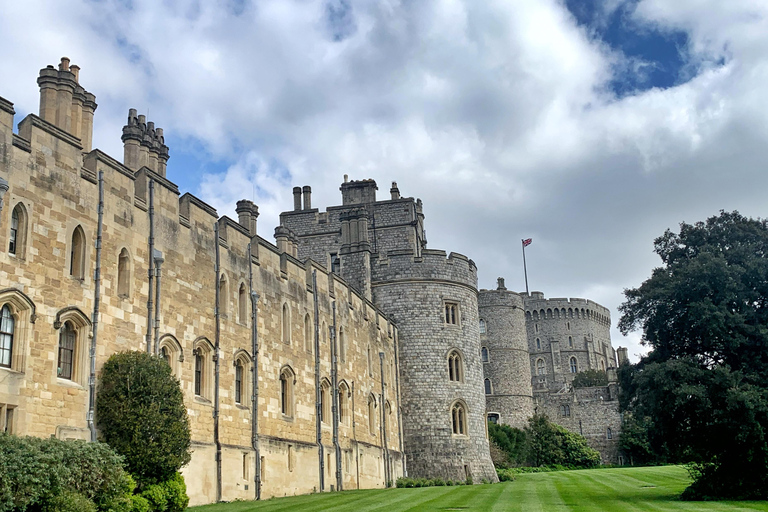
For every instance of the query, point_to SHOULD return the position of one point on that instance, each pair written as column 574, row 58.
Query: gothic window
column 493, row 418
column 482, row 326
column 538, row 344
column 242, row 305
column 325, row 402
column 488, row 389
column 372, row 414
column 308, row 333
column 223, row 295
column 123, row 273
column 342, row 345
column 344, row 404
column 565, row 411
column 335, row 263
column 459, row 419
column 164, row 354
column 16, row 239
column 203, row 376
column 238, row 382
column 67, row 343
column 287, row 378
column 455, row 370
column 199, row 372
column 484, row 355
column 370, row 363
column 574, row 366
column 77, row 254
column 6, row 336
column 170, row 352
column 540, row 368
column 602, row 365
column 451, row 313
column 286, row 324
column 609, row 433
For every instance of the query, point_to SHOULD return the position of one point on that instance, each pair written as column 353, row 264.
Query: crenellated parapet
column 428, row 265
column 536, row 306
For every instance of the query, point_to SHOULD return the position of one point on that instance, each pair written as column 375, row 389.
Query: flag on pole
column 527, row 242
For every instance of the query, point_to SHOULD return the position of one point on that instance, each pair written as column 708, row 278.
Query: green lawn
column 632, row 489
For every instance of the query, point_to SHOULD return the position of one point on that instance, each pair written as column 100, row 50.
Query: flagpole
column 525, row 269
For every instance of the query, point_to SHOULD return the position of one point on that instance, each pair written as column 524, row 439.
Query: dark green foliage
column 549, row 444
column 590, row 378
column 634, row 443
column 702, row 390
column 140, row 412
column 168, row 496
column 427, row 482
column 510, row 441
column 506, row 474
column 43, row 474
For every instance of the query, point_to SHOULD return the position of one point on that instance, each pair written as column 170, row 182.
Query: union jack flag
column 527, row 242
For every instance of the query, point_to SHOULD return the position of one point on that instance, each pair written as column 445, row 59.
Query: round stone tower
column 433, row 300
column 505, row 358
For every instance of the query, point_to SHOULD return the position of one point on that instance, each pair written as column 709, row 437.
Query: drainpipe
column 255, row 376
column 397, row 397
column 384, row 423
column 150, row 254
column 354, row 437
column 157, row 256
column 95, row 317
column 335, row 386
column 216, row 366
column 318, row 431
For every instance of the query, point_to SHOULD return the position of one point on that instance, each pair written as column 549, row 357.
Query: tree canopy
column 701, row 393
column 140, row 413
column 590, row 378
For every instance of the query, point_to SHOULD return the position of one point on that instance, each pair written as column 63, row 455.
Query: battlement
column 536, row 306
column 500, row 298
column 429, row 265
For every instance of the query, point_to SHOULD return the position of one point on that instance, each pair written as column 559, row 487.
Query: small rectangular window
column 6, row 418
column 262, row 469
column 245, row 465
column 290, row 457
column 451, row 313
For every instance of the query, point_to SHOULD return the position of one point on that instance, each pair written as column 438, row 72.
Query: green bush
column 426, row 482
column 506, row 475
column 590, row 378
column 140, row 412
column 549, row 444
column 168, row 496
column 42, row 474
column 139, row 504
column 512, row 443
column 69, row 501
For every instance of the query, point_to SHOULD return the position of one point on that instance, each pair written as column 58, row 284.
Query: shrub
column 506, row 475
column 590, row 378
column 141, row 414
column 168, row 496
column 550, row 444
column 69, row 501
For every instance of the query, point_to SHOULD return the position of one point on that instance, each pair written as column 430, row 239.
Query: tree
column 140, row 413
column 549, row 444
column 701, row 392
column 509, row 445
column 590, row 378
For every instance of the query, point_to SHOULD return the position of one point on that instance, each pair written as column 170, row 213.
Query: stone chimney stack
column 65, row 104
column 144, row 145
column 500, row 284
column 296, row 198
column 307, row 197
column 131, row 141
column 394, row 191
column 247, row 213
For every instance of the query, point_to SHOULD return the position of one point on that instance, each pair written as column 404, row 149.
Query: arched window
column 565, row 411
column 459, row 419
column 287, row 378
column 455, row 370
column 484, row 355
column 164, row 355
column 344, row 416
column 370, row 362
column 325, row 402
column 540, row 368
column 223, row 295
column 342, row 345
column 538, row 344
column 372, row 414
column 203, row 378
column 488, row 389
column 199, row 372
column 67, row 343
column 602, row 365
column 7, row 323
column 123, row 273
column 17, row 236
column 77, row 254
column 574, row 366
column 286, row 324
column 170, row 351
column 242, row 304
column 609, row 433
column 308, row 333
column 238, row 382
column 482, row 326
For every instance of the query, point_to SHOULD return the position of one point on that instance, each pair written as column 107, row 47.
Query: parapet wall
column 540, row 308
column 430, row 265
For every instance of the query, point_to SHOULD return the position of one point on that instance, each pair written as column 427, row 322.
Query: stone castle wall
column 54, row 181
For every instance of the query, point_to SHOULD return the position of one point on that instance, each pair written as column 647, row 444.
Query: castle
column 343, row 356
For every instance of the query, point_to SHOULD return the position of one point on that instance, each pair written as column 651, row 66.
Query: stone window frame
column 325, row 402
column 308, row 341
column 487, row 386
column 455, row 361
column 608, row 433
column 483, row 326
column 541, row 367
column 124, row 277
column 538, row 343
column 8, row 418
column 485, row 355
column 17, row 238
column 77, row 254
column 7, row 332
column 285, row 324
column 344, row 404
column 223, row 295
column 451, row 313
column 570, row 341
column 242, row 304
column 565, row 410
column 81, row 325
column 173, row 351
column 244, row 359
column 459, row 419
column 493, row 414
column 286, row 393
column 372, row 405
column 205, row 351
column 23, row 311
column 573, row 365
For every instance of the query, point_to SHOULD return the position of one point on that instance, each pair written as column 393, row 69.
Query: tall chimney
column 66, row 88
column 86, row 123
column 247, row 212
column 394, row 191
column 307, row 197
column 131, row 141
column 48, row 82
column 296, row 198
column 162, row 152
column 144, row 143
column 152, row 146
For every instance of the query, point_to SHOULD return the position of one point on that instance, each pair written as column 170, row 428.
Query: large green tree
column 701, row 392
column 140, row 413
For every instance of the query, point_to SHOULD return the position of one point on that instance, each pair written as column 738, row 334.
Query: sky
column 590, row 126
